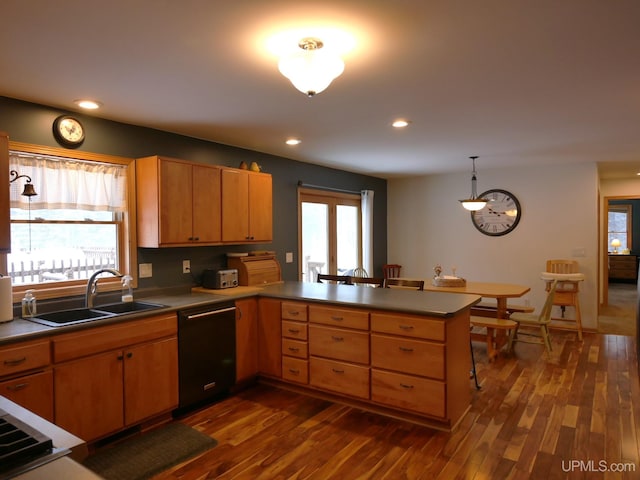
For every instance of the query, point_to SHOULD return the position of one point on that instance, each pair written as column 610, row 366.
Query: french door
column 329, row 233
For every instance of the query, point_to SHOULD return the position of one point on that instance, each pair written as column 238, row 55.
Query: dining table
column 501, row 292
column 496, row 337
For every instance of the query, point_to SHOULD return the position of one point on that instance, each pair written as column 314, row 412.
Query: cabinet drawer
column 102, row 339
column 417, row 357
column 295, row 370
column 339, row 377
column 339, row 344
column 294, row 311
column 407, row 392
column 296, row 330
column 33, row 392
column 339, row 317
column 408, row 325
column 24, row 356
column 295, row 348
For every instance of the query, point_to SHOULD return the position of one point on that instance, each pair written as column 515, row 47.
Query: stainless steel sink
column 81, row 315
column 127, row 307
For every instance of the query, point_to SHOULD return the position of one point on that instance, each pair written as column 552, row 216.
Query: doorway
column 617, row 313
column 330, row 233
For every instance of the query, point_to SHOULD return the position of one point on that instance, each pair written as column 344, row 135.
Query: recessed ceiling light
column 88, row 104
column 400, row 123
column 293, row 141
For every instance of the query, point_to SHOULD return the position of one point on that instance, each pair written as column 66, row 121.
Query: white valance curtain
column 68, row 184
column 366, row 203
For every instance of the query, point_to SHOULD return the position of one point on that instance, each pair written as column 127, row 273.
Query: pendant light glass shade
column 311, row 69
column 474, row 203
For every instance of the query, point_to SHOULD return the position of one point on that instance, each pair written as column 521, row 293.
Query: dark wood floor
column 571, row 415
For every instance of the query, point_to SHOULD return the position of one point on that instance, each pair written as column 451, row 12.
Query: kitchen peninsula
column 392, row 351
column 395, row 352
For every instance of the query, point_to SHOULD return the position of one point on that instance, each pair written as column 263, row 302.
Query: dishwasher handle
column 211, row 312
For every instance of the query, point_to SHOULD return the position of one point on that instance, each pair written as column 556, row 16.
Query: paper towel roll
column 6, row 300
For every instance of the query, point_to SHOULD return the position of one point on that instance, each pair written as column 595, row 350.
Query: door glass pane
column 315, row 240
column 347, row 239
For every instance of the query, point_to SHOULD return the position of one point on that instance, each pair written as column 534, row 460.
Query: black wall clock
column 68, row 131
column 500, row 215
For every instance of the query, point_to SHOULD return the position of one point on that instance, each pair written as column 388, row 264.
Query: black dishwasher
column 206, row 353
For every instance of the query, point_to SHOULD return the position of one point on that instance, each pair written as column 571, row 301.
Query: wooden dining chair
column 367, row 281
column 326, row 278
column 540, row 321
column 391, row 270
column 404, row 283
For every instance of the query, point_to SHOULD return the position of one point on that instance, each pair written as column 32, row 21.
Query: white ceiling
column 514, row 82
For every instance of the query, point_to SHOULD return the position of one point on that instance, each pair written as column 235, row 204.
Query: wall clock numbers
column 500, row 215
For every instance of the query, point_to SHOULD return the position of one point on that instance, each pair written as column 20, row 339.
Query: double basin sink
column 80, row 315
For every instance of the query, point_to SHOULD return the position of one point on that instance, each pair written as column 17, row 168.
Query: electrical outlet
column 186, row 266
column 145, row 270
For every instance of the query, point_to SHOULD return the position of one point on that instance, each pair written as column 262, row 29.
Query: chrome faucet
column 92, row 285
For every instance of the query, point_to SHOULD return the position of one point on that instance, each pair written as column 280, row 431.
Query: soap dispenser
column 127, row 290
column 29, row 305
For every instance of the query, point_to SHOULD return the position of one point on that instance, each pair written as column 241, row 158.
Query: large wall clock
column 500, row 215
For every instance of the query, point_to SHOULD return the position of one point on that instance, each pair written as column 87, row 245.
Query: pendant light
column 474, row 203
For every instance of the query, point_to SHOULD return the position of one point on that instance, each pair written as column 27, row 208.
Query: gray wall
column 32, row 123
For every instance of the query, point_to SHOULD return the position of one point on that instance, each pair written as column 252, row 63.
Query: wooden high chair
column 566, row 293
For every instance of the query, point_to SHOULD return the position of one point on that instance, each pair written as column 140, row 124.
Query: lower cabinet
column 34, row 392
column 269, row 337
column 415, row 366
column 26, row 377
column 246, row 339
column 341, row 377
column 295, row 346
column 113, row 377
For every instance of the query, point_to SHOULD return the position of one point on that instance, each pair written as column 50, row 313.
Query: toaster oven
column 220, row 278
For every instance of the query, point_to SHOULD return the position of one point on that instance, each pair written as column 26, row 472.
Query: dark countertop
column 422, row 303
column 393, row 299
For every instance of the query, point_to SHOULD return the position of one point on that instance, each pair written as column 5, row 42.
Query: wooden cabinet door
column 269, row 337
column 235, row 206
column 89, row 395
column 34, row 392
column 175, row 202
column 150, row 379
column 260, row 208
column 207, row 209
column 5, row 221
column 246, row 339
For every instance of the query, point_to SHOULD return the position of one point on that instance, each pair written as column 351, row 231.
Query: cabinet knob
column 129, row 354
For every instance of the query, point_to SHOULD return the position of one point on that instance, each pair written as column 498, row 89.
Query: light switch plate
column 289, row 257
column 145, row 270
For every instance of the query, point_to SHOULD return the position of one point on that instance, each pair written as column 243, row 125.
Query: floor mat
column 146, row 455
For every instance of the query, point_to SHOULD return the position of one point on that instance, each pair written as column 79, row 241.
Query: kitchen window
column 79, row 221
column 619, row 228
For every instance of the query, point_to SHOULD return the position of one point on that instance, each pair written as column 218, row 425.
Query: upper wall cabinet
column 178, row 203
column 5, row 222
column 246, row 207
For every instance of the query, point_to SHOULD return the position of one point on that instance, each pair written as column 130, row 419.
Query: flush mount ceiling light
column 88, row 104
column 474, row 203
column 400, row 123
column 293, row 141
column 311, row 69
